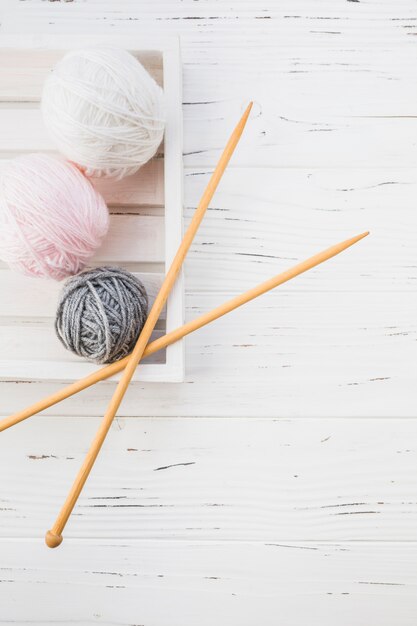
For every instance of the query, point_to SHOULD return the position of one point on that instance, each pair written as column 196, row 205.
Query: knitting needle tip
column 349, row 242
column 241, row 124
column 246, row 113
column 343, row 245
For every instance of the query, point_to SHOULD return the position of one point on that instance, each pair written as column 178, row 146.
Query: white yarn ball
column 104, row 111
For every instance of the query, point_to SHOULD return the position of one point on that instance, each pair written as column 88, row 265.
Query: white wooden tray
column 146, row 212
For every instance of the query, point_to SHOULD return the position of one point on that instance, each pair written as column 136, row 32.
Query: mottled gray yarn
column 101, row 313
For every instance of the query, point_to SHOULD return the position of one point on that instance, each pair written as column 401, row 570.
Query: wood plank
column 121, row 582
column 34, row 297
column 197, row 18
column 133, row 239
column 342, row 65
column 205, row 479
column 345, row 142
column 264, row 220
column 68, row 371
column 23, row 72
column 23, row 130
column 145, row 188
column 36, row 342
column 312, row 87
column 288, row 354
column 269, row 141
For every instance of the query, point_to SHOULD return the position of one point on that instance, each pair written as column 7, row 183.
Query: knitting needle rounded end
column 52, row 540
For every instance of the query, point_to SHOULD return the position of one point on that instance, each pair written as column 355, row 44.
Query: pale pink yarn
column 51, row 217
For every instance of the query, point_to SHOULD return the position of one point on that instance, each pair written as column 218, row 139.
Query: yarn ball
column 101, row 313
column 51, row 217
column 104, row 111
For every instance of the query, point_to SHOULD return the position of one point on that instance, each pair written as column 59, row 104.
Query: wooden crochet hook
column 54, row 536
column 179, row 333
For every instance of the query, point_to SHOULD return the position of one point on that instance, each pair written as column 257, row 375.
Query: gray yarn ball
column 101, row 313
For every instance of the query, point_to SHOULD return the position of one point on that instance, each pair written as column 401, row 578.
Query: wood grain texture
column 381, row 141
column 43, row 294
column 265, row 219
column 287, row 354
column 133, row 239
column 145, row 189
column 125, row 582
column 19, row 85
column 330, row 151
column 205, row 479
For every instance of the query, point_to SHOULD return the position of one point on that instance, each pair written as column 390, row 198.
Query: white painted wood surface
column 215, row 479
column 277, row 483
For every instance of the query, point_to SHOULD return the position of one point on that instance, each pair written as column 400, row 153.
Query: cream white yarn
column 104, row 111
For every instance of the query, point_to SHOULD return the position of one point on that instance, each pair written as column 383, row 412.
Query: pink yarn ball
column 51, row 217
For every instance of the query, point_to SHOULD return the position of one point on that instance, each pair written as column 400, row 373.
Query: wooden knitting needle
column 166, row 340
column 54, row 536
column 218, row 312
column 177, row 334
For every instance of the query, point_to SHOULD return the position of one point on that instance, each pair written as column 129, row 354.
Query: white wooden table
column 278, row 484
